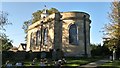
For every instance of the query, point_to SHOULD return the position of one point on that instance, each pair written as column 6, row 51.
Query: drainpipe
column 85, row 45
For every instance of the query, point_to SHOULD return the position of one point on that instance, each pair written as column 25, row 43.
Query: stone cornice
column 73, row 18
column 72, row 15
column 45, row 20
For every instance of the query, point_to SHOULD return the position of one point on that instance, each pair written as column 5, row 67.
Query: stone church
column 66, row 31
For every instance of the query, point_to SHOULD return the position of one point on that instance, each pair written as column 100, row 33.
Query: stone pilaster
column 58, row 36
column 57, row 32
column 28, row 41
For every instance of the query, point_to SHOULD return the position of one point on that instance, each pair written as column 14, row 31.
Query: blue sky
column 22, row 11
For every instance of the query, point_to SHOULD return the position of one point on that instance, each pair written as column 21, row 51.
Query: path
column 95, row 64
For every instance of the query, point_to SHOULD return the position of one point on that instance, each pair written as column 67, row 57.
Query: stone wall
column 75, row 18
column 21, row 56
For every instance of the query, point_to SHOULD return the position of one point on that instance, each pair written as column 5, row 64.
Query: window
column 31, row 40
column 45, row 36
column 73, row 35
column 38, row 38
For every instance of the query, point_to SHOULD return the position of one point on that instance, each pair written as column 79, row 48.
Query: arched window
column 73, row 35
column 38, row 38
column 45, row 36
column 31, row 40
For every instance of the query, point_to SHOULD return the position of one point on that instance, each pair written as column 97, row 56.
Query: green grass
column 79, row 61
column 115, row 63
column 75, row 62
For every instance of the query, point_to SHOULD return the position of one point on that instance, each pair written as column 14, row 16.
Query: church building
column 66, row 31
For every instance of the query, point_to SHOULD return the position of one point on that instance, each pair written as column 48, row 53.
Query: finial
column 45, row 9
column 45, row 6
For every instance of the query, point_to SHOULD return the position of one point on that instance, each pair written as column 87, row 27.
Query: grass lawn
column 79, row 61
column 115, row 63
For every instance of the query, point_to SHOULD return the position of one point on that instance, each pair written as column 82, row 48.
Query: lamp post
column 114, row 55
